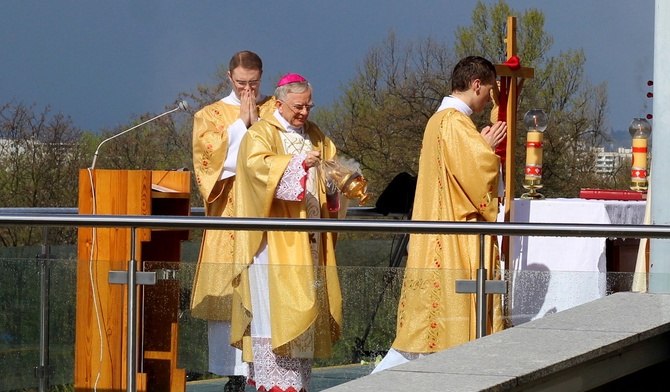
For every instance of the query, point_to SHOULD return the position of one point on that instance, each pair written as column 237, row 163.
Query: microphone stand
column 183, row 105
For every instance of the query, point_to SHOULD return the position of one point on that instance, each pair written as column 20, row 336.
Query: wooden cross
column 516, row 79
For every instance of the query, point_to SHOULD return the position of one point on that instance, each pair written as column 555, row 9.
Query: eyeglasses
column 244, row 83
column 299, row 108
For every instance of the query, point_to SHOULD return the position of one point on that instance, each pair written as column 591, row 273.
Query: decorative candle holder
column 350, row 182
column 639, row 129
column 536, row 122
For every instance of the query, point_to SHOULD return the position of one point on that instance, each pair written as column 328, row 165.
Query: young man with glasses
column 217, row 131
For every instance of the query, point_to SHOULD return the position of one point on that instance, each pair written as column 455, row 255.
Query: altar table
column 551, row 274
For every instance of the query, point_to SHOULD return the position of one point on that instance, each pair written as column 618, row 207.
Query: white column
column 659, row 271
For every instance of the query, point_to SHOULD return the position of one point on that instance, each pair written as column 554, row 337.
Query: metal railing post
column 481, row 287
column 132, row 278
column 44, row 370
column 481, row 293
column 131, row 360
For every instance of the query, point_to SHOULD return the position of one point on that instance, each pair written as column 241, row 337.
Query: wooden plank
column 162, row 355
column 180, row 181
column 521, row 73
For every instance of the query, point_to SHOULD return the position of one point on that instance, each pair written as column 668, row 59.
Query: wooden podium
column 101, row 312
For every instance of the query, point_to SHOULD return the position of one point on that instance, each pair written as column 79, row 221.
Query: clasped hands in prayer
column 248, row 108
column 495, row 133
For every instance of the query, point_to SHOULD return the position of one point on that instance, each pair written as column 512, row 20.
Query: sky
column 104, row 62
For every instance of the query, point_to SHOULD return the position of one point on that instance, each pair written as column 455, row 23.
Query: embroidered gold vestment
column 212, row 287
column 301, row 294
column 457, row 181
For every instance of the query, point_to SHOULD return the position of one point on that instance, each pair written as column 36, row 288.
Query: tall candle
column 639, row 164
column 534, row 141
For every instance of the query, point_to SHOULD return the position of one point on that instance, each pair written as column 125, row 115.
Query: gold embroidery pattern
column 429, row 286
column 211, row 140
column 487, row 200
column 435, row 295
column 229, row 212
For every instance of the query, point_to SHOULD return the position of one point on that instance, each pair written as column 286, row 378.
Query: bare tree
column 40, row 154
column 380, row 118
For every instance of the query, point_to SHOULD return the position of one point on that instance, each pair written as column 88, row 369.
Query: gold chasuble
column 212, row 287
column 457, row 181
column 302, row 296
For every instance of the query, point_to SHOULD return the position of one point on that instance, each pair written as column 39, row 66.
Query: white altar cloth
column 551, row 274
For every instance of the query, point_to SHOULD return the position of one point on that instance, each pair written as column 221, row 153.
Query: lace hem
column 275, row 373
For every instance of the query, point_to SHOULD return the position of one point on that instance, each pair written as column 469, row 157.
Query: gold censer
column 350, row 182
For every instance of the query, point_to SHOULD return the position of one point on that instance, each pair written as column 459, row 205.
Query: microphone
column 183, row 105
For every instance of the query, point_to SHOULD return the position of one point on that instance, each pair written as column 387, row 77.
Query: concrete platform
column 622, row 339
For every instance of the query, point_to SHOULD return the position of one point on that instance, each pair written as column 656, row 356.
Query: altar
column 551, row 274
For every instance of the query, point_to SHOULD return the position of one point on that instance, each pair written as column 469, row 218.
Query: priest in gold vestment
column 287, row 301
column 458, row 180
column 217, row 131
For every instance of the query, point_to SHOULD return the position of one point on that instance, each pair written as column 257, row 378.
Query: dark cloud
column 102, row 62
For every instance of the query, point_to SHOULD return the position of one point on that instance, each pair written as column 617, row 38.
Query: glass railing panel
column 62, row 318
column 19, row 339
column 535, row 294
column 370, row 277
column 20, row 325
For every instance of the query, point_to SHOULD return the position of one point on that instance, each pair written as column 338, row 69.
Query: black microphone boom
column 183, row 105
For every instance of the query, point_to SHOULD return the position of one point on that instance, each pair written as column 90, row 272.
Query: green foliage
column 380, row 118
column 487, row 35
column 159, row 145
column 577, row 110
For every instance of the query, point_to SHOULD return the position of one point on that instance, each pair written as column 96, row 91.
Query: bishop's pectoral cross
column 512, row 75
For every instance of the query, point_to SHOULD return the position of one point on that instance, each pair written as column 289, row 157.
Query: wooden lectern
column 101, row 315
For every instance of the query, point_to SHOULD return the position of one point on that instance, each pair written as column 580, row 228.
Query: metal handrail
column 340, row 225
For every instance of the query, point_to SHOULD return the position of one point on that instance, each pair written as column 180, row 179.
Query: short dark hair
column 469, row 69
column 247, row 60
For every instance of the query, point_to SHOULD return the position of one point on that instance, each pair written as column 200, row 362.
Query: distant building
column 608, row 162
